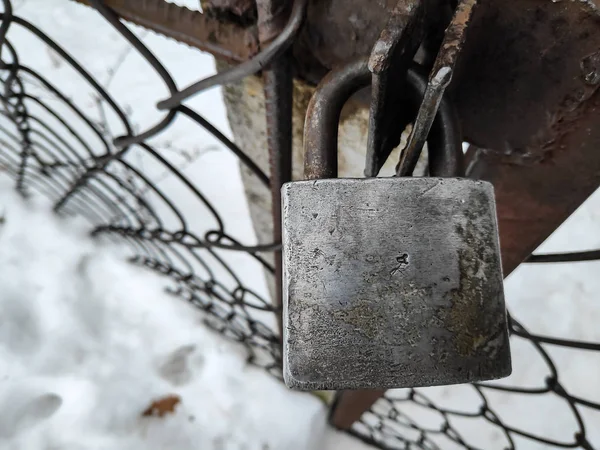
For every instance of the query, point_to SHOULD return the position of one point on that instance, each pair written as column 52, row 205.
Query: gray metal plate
column 390, row 283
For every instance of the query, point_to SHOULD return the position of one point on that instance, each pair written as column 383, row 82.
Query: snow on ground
column 87, row 342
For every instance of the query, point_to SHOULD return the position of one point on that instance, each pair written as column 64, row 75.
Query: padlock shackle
column 325, row 108
column 323, row 116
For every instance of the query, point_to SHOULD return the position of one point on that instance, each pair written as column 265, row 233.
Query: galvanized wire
column 95, row 178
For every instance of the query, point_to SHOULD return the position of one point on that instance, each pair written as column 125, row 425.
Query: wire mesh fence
column 53, row 145
column 89, row 158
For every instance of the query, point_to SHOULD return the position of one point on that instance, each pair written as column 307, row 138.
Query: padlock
column 389, row 282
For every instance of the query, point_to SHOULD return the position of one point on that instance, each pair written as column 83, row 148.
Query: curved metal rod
column 581, row 345
column 113, row 19
column 590, row 255
column 72, row 62
column 323, row 114
column 7, row 13
column 248, row 162
column 129, row 140
column 444, row 141
column 280, row 44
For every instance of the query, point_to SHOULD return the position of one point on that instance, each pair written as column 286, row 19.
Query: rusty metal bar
column 206, row 31
column 349, row 406
column 390, row 59
column 237, row 7
column 530, row 101
column 534, row 200
column 278, row 89
column 439, row 79
column 267, row 55
column 278, row 104
column 272, row 16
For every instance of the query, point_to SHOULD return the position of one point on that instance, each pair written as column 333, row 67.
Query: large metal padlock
column 389, row 282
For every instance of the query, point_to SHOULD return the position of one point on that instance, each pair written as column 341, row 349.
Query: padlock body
column 391, row 283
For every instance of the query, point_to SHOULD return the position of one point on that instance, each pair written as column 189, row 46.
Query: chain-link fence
column 85, row 153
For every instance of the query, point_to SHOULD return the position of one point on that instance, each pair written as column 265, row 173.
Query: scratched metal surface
column 392, row 282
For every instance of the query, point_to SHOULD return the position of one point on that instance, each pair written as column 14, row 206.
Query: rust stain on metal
column 454, row 38
column 574, row 107
column 210, row 31
column 463, row 14
column 560, row 123
column 389, row 62
column 278, row 91
column 362, row 316
column 401, row 28
column 272, row 18
column 237, row 7
column 469, row 321
column 464, row 315
column 549, row 190
column 525, row 63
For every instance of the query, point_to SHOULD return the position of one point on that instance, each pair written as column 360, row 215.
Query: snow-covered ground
column 87, row 342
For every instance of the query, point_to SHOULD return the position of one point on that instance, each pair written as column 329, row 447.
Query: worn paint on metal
column 474, row 328
column 392, row 282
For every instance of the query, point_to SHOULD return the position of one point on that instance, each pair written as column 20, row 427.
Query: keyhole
column 402, row 261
